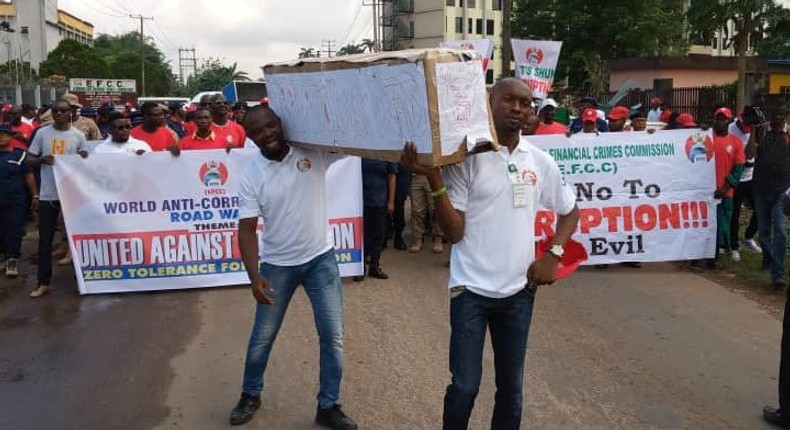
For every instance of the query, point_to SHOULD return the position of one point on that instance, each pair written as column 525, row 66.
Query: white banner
column 157, row 222
column 536, row 62
column 642, row 197
column 485, row 47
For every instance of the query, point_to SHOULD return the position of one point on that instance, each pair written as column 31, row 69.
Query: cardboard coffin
column 371, row 104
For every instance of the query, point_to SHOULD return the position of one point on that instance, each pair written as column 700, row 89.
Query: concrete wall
column 681, row 77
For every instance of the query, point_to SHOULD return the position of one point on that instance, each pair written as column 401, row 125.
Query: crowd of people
column 493, row 277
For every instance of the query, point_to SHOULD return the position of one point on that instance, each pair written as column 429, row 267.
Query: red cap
column 572, row 258
column 265, row 101
column 7, row 107
column 665, row 114
column 723, row 111
column 686, row 120
column 655, row 101
column 618, row 112
column 192, row 108
column 589, row 114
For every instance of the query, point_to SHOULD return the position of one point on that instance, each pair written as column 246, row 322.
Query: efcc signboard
column 92, row 91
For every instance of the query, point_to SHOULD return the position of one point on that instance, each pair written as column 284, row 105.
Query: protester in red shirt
column 21, row 130
column 153, row 130
column 547, row 124
column 226, row 131
column 204, row 137
column 617, row 117
column 730, row 158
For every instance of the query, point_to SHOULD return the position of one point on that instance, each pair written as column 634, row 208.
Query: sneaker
column 11, row 268
column 245, row 409
column 438, row 246
column 735, row 256
column 65, row 261
column 751, row 245
column 334, row 418
column 416, row 247
column 40, row 291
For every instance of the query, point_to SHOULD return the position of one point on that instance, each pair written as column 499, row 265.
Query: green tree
column 776, row 42
column 595, row 32
column 122, row 55
column 214, row 74
column 351, row 48
column 749, row 19
column 307, row 52
column 74, row 59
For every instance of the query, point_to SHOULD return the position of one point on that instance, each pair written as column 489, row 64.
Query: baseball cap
column 618, row 112
column 686, row 120
column 638, row 113
column 547, row 102
column 88, row 111
column 723, row 111
column 655, row 101
column 589, row 114
column 176, row 105
column 7, row 107
column 71, row 99
column 6, row 128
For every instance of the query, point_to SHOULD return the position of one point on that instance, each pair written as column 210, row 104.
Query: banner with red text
column 642, row 197
column 485, row 47
column 536, row 61
column 158, row 222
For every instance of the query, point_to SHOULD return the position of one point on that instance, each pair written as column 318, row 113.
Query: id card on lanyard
column 518, row 183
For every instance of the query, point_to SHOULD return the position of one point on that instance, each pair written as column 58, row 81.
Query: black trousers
column 743, row 193
column 12, row 226
column 375, row 228
column 48, row 212
column 784, row 363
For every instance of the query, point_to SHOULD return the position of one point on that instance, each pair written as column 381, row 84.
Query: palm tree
column 306, row 52
column 237, row 75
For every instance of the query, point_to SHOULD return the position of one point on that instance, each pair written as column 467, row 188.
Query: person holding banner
column 153, row 130
column 487, row 207
column 585, row 103
column 204, row 137
column 286, row 187
column 16, row 180
column 49, row 142
column 120, row 141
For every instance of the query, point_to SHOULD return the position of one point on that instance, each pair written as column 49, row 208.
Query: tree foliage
column 74, row 59
column 112, row 56
column 594, row 32
column 776, row 42
column 749, row 19
column 213, row 74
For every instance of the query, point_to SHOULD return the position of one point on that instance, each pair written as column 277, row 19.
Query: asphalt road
column 651, row 348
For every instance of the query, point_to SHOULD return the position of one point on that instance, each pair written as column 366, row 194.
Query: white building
column 38, row 26
column 407, row 24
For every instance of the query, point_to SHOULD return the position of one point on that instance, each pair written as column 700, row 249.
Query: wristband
column 440, row 192
column 35, row 197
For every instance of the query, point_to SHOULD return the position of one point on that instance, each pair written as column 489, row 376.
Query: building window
column 479, row 26
column 489, row 77
column 496, row 4
column 490, row 27
column 715, row 43
column 451, row 3
column 470, row 26
column 470, row 4
column 784, row 90
column 459, row 25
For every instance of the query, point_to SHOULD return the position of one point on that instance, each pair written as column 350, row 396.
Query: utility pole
column 142, row 44
column 329, row 46
column 186, row 63
column 378, row 8
column 507, row 50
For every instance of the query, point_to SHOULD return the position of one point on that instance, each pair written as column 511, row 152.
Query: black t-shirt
column 12, row 175
column 374, row 181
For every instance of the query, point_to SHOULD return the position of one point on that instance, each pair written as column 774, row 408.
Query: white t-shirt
column 654, row 115
column 290, row 196
column 748, row 172
column 499, row 239
column 131, row 146
column 51, row 141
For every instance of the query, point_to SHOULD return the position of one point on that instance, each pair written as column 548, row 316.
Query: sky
column 248, row 32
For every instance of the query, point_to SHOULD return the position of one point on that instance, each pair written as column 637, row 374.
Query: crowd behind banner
column 742, row 179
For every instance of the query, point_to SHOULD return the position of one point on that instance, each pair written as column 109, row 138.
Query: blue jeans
column 321, row 280
column 772, row 225
column 508, row 320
